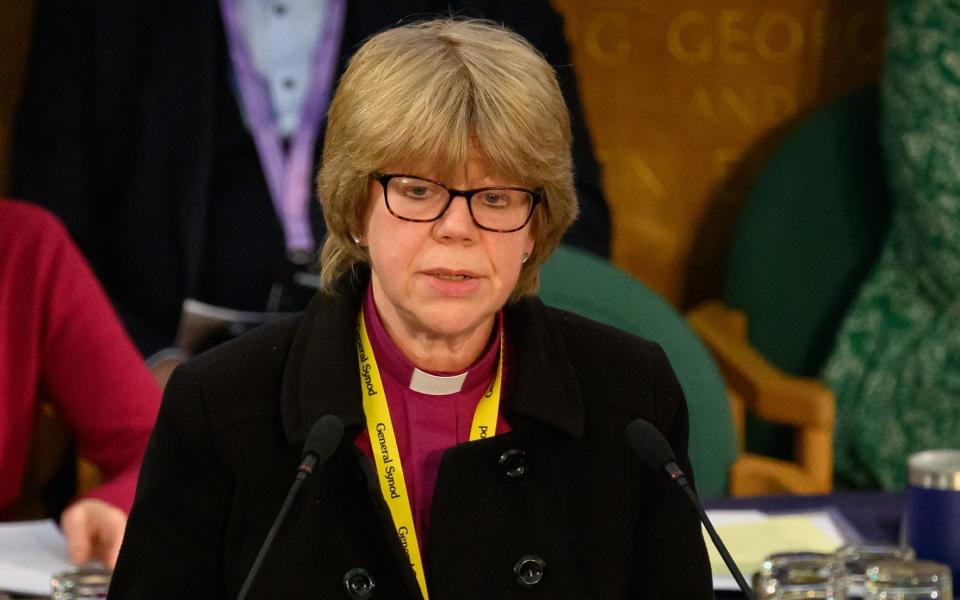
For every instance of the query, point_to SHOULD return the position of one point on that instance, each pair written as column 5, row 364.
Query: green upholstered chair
column 582, row 283
column 808, row 233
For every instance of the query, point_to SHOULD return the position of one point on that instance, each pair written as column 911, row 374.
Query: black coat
column 229, row 436
column 127, row 123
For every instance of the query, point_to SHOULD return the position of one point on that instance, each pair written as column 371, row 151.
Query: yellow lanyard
column 383, row 442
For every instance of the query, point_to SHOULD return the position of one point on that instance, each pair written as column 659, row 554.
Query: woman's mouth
column 453, row 283
column 447, row 277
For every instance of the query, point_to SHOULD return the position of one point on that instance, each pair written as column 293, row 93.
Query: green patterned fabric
column 895, row 367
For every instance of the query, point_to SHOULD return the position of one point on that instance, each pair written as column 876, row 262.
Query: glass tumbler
column 796, row 575
column 855, row 559
column 909, row 580
column 84, row 583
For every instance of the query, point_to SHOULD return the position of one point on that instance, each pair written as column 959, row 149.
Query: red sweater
column 60, row 341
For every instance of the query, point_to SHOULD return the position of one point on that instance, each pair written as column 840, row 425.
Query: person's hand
column 162, row 363
column 94, row 530
column 162, row 371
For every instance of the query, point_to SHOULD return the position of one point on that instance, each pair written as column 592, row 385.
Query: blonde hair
column 436, row 90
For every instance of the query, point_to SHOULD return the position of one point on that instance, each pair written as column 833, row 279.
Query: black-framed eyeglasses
column 500, row 209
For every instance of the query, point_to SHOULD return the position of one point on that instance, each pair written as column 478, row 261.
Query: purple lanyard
column 289, row 175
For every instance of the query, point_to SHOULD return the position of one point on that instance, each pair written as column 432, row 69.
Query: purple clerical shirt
column 426, row 425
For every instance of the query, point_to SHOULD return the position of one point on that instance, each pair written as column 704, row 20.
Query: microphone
column 654, row 452
column 323, row 439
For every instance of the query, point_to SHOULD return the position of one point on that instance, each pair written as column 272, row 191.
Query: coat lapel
column 545, row 386
column 322, row 376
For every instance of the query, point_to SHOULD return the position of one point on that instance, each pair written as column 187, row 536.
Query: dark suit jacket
column 116, row 135
column 229, row 436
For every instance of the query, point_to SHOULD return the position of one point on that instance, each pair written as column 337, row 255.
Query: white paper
column 30, row 553
column 820, row 519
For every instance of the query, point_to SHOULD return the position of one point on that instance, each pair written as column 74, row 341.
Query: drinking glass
column 84, row 583
column 796, row 575
column 909, row 580
column 855, row 559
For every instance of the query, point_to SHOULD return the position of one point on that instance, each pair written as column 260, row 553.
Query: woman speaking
column 483, row 452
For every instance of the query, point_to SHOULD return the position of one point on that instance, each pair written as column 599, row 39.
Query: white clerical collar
column 436, row 385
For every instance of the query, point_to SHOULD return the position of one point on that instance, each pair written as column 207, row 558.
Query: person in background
column 483, row 452
column 895, row 364
column 177, row 140
column 61, row 343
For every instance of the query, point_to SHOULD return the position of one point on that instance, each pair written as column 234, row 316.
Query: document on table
column 751, row 535
column 30, row 553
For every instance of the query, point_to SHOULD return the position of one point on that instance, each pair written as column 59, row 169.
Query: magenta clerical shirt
column 427, row 424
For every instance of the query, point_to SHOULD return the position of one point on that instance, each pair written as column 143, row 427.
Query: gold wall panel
column 685, row 100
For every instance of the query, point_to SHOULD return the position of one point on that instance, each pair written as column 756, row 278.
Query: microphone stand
column 677, row 475
column 322, row 440
column 302, row 472
column 654, row 452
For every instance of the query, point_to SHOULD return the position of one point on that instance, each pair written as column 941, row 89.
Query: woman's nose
column 456, row 221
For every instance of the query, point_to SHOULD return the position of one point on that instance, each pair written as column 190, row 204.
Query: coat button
column 513, row 464
column 359, row 584
column 529, row 570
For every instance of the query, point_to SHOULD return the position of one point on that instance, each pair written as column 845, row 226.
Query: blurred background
column 685, row 101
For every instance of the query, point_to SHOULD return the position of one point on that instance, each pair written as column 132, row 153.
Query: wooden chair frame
column 754, row 385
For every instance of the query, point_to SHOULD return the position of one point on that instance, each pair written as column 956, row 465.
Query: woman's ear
column 528, row 247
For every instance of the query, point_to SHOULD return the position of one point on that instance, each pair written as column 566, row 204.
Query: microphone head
column 649, row 445
column 324, row 437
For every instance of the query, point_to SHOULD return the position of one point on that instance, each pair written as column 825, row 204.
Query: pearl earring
column 356, row 238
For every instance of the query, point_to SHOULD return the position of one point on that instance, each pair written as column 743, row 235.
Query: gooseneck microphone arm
column 323, row 439
column 721, row 547
column 654, row 451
